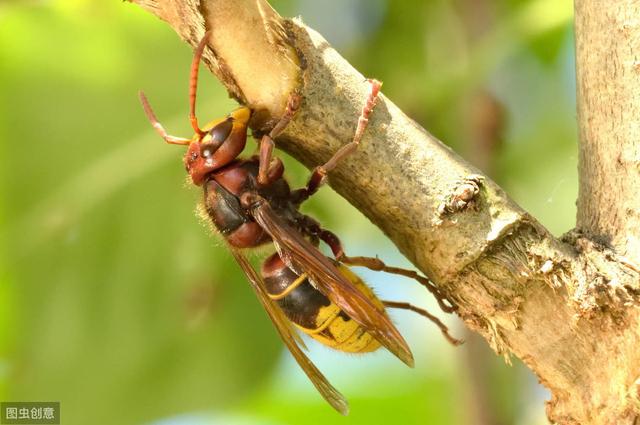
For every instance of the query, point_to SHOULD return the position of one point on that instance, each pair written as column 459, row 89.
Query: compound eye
column 207, row 149
column 221, row 132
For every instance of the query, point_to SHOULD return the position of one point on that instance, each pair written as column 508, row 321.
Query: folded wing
column 289, row 337
column 294, row 248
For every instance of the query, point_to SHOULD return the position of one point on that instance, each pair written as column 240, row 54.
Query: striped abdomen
column 313, row 313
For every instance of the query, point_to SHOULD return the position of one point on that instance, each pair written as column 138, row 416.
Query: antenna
column 156, row 124
column 193, row 82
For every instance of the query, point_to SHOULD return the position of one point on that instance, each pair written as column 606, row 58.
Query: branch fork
column 568, row 308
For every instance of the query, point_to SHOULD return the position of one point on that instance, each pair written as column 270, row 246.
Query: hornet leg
column 319, row 174
column 334, row 243
column 271, row 169
column 425, row 313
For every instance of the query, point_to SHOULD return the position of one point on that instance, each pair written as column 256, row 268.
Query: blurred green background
column 116, row 301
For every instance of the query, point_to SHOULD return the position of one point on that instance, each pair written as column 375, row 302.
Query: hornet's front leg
column 270, row 168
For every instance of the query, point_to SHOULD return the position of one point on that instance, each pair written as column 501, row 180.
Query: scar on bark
column 462, row 196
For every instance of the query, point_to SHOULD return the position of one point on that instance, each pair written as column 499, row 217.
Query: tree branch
column 566, row 308
column 608, row 68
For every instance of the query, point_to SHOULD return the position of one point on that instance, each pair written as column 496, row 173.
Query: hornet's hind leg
column 332, row 240
column 425, row 313
column 378, row 265
column 315, row 231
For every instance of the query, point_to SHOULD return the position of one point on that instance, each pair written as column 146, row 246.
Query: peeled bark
column 567, row 308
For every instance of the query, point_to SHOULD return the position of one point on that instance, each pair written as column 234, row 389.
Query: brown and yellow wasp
column 251, row 204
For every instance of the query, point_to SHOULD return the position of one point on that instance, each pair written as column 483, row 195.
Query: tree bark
column 568, row 308
column 608, row 76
